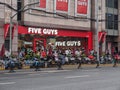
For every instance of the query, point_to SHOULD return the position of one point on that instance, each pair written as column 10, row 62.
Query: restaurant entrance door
column 39, row 44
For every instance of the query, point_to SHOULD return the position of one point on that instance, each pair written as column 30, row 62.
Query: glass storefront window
column 38, row 42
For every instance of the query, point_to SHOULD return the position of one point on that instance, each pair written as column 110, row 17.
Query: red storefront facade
column 61, row 38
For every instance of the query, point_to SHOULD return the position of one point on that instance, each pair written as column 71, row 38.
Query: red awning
column 102, row 36
column 64, row 33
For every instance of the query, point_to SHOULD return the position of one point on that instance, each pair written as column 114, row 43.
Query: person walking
column 78, row 58
column 115, row 59
column 37, row 65
column 11, row 65
column 58, row 60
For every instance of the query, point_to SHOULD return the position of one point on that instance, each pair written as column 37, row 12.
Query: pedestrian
column 115, row 59
column 37, row 65
column 58, row 60
column 97, row 61
column 78, row 57
column 11, row 65
column 79, row 62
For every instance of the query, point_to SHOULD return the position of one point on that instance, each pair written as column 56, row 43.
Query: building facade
column 63, row 24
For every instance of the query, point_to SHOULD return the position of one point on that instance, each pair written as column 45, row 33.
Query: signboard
column 62, row 5
column 67, row 43
column 44, row 31
column 82, row 7
column 57, row 32
column 42, row 3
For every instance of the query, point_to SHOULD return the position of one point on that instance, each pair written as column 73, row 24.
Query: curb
column 69, row 66
column 2, row 68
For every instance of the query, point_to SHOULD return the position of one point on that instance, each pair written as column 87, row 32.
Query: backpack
column 12, row 64
column 37, row 63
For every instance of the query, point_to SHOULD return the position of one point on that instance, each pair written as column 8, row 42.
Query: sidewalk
column 65, row 67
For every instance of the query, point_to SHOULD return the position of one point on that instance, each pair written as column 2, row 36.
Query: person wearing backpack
column 37, row 65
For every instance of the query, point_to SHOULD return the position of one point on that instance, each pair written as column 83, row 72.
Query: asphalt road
column 105, row 78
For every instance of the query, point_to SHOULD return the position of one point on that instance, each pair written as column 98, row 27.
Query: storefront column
column 1, row 37
column 90, row 42
column 104, row 45
column 15, row 41
column 119, row 44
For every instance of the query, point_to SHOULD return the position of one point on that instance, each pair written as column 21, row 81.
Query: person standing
column 78, row 58
column 58, row 60
column 115, row 59
column 43, row 55
column 11, row 65
column 37, row 65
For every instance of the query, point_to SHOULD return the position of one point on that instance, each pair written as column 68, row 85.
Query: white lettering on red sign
column 50, row 31
column 34, row 30
column 63, row 1
column 59, row 43
column 42, row 31
column 82, row 2
column 67, row 43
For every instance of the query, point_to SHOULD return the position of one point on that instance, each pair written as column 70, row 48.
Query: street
column 104, row 78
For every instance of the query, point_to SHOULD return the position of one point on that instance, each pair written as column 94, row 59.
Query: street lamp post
column 97, row 33
column 11, row 17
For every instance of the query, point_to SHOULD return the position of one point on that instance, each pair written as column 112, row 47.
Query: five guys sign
column 42, row 3
column 82, row 6
column 62, row 5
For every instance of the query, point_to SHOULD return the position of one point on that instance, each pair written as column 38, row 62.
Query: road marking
column 19, row 73
column 52, row 71
column 7, row 83
column 32, row 72
column 70, row 77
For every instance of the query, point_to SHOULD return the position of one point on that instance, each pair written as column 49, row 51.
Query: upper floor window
column 116, row 4
column 111, row 21
column 116, row 22
column 112, row 3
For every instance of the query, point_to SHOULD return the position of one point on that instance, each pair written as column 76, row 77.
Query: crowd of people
column 59, row 57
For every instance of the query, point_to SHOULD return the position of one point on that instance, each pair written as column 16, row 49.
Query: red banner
column 101, row 37
column 6, row 29
column 42, row 3
column 62, row 5
column 2, row 52
column 82, row 6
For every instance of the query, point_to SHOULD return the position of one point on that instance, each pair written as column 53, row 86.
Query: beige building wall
column 2, row 14
column 40, row 19
column 101, row 14
column 5, row 14
column 101, row 24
